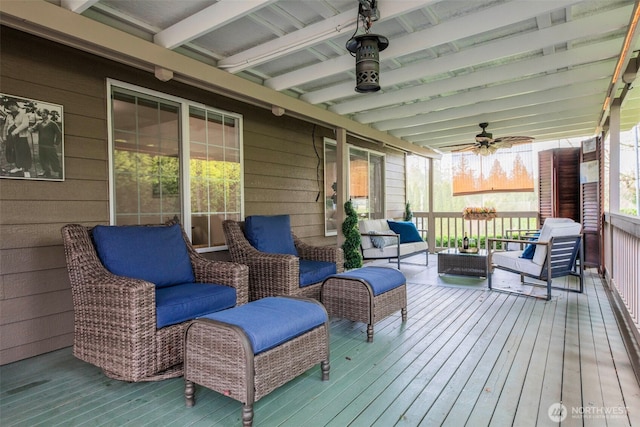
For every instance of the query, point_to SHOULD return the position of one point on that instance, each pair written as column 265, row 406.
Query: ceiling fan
column 486, row 144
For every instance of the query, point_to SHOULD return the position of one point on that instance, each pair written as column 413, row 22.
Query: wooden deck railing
column 621, row 260
column 446, row 229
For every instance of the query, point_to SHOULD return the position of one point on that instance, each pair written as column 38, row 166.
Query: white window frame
column 329, row 141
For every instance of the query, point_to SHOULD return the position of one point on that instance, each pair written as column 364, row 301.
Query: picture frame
column 31, row 139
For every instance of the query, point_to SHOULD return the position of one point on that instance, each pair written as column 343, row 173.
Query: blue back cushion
column 271, row 321
column 315, row 271
column 530, row 250
column 155, row 254
column 407, row 231
column 271, row 234
column 381, row 279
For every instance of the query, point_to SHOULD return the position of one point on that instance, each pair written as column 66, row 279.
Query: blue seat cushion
column 271, row 234
column 271, row 321
column 406, row 229
column 157, row 254
column 381, row 279
column 315, row 271
column 187, row 301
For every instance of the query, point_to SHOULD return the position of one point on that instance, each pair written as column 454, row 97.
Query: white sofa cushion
column 512, row 260
column 554, row 229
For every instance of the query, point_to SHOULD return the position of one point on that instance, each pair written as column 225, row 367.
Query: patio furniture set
column 148, row 306
column 556, row 250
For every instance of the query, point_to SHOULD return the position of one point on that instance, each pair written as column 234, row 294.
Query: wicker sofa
column 282, row 264
column 132, row 325
column 378, row 240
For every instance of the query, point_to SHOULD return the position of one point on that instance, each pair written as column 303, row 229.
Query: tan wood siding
column 283, row 173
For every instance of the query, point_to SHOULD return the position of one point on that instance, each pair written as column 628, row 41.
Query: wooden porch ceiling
column 466, row 356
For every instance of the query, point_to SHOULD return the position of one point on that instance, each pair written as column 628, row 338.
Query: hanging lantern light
column 367, row 48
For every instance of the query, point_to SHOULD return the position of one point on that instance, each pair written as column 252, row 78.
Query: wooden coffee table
column 452, row 261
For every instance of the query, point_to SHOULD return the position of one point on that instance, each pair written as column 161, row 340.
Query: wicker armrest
column 273, row 274
column 321, row 253
column 223, row 273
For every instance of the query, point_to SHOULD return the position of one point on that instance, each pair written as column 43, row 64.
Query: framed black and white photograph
column 31, row 139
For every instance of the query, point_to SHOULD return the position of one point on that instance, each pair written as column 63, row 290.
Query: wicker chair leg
column 247, row 415
column 189, row 393
column 370, row 332
column 404, row 314
column 324, row 365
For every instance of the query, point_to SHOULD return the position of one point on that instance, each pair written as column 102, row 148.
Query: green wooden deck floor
column 466, row 356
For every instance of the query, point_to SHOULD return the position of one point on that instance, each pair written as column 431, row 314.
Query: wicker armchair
column 115, row 317
column 273, row 274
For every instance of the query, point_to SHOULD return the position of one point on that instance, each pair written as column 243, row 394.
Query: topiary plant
column 351, row 245
column 408, row 215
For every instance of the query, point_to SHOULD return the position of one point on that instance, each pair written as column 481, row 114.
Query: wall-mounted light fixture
column 366, row 48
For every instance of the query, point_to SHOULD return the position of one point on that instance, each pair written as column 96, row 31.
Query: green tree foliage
column 351, row 245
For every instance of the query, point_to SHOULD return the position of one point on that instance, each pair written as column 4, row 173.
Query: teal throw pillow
column 407, row 231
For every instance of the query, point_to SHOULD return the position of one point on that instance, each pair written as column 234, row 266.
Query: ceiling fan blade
column 467, row 148
column 513, row 140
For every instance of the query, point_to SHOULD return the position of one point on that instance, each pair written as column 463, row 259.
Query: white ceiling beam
column 77, row 6
column 507, row 90
column 401, row 128
column 205, row 21
column 455, row 29
column 608, row 21
column 492, row 76
column 508, row 125
column 501, row 48
column 311, row 35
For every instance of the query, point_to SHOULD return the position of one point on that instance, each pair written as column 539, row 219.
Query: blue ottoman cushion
column 381, row 279
column 271, row 321
column 315, row 271
column 187, row 301
column 157, row 254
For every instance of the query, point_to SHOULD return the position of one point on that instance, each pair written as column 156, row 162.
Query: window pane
column 216, row 189
column 145, row 158
column 359, row 181
column 376, row 195
column 330, row 188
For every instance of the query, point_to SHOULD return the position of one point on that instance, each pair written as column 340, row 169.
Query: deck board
column 465, row 356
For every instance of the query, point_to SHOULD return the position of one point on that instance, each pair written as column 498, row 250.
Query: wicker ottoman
column 366, row 295
column 220, row 355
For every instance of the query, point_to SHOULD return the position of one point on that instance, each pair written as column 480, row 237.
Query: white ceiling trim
column 77, row 6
